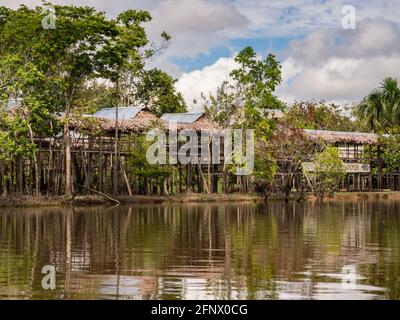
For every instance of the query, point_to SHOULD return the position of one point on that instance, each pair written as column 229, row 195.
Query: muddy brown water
column 336, row 250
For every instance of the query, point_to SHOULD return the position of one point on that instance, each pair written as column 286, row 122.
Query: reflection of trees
column 228, row 251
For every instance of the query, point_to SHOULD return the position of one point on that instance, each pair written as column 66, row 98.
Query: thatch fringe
column 333, row 137
column 142, row 122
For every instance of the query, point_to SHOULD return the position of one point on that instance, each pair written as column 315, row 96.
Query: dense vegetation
column 64, row 70
column 90, row 61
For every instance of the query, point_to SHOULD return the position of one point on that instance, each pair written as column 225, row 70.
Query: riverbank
column 40, row 201
column 183, row 198
column 31, row 201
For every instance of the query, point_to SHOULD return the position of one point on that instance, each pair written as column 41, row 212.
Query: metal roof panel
column 124, row 113
column 182, row 117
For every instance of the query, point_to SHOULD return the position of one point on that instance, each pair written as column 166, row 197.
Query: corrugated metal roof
column 124, row 113
column 182, row 117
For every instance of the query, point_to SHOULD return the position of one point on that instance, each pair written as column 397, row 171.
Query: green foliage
column 92, row 97
column 265, row 166
column 241, row 102
column 329, row 171
column 156, row 89
column 14, row 141
column 380, row 110
column 391, row 150
column 50, row 66
column 318, row 116
column 138, row 164
column 58, row 70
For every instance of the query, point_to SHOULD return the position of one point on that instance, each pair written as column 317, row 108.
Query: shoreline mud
column 88, row 200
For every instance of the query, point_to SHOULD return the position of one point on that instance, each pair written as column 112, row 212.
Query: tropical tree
column 391, row 150
column 156, row 90
column 380, row 110
column 59, row 70
column 145, row 172
column 240, row 103
column 329, row 171
column 291, row 148
column 318, row 116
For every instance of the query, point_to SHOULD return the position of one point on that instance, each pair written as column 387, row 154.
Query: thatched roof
column 343, row 137
column 142, row 121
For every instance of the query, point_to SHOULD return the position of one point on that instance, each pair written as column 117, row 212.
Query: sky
column 321, row 57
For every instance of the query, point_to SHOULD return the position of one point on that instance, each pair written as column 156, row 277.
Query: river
column 334, row 250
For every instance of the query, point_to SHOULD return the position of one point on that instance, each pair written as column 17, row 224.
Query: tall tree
column 67, row 55
column 52, row 68
column 241, row 102
column 156, row 90
column 380, row 110
column 318, row 116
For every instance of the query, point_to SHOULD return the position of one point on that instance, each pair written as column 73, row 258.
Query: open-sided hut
column 361, row 153
column 201, row 176
column 93, row 147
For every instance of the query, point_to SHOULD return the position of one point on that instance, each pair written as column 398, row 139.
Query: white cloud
column 196, row 26
column 341, row 66
column 336, row 66
column 299, row 17
column 339, row 79
column 327, row 63
column 206, row 81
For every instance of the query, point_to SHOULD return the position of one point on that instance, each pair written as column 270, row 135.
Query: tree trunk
column 68, row 163
column 67, row 143
column 35, row 164
column 116, row 153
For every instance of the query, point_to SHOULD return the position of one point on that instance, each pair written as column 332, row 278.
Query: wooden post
column 379, row 168
column 180, row 178
column 215, row 179
column 370, row 166
column 100, row 165
column 189, row 178
column 20, row 173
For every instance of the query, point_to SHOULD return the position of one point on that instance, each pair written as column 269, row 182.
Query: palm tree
column 380, row 110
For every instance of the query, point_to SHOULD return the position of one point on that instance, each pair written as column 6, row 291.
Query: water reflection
column 203, row 251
